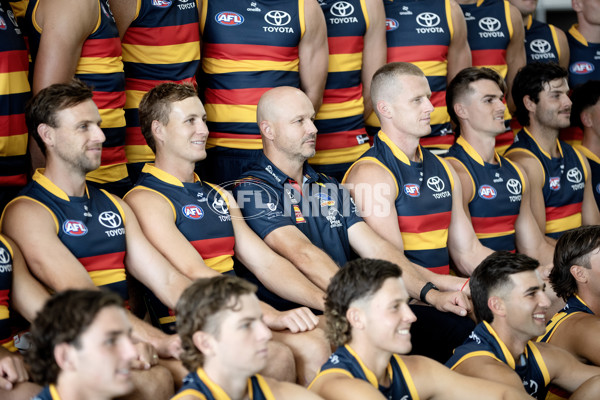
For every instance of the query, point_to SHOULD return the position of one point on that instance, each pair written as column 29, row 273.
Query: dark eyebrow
column 534, row 289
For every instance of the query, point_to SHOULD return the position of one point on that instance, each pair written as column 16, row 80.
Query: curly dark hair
column 356, row 280
column 572, row 248
column 63, row 319
column 583, row 96
column 493, row 274
column 198, row 307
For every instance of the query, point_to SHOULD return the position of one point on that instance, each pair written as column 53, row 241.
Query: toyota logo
column 342, row 9
column 513, row 186
column 540, row 46
column 4, row 256
column 110, row 219
column 435, row 183
column 574, row 175
column 277, row 18
column 428, row 19
column 489, row 24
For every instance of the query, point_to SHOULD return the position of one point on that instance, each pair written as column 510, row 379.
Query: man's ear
column 46, row 133
column 497, row 306
column 204, row 342
column 64, row 355
column 530, row 105
column 266, row 129
column 586, row 118
column 461, row 111
column 158, row 130
column 580, row 273
column 355, row 317
column 383, row 108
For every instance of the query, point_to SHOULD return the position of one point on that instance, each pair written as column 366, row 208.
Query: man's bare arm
column 515, row 53
column 459, row 52
column 374, row 51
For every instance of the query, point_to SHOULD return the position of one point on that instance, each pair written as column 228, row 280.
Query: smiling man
column 81, row 347
column 509, row 301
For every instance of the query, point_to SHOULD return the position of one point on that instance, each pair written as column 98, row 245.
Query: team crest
column 298, row 214
column 74, row 228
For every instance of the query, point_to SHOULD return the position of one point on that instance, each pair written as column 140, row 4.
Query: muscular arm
column 374, row 51
column 564, row 369
column 515, row 53
column 65, row 26
column 337, row 386
column 578, row 335
column 124, row 12
column 565, row 52
column 490, row 369
column 313, row 54
column 459, row 53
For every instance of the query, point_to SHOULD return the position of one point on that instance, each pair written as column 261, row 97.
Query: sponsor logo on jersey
column 436, row 184
column 229, row 18
column 161, row 3
column 490, row 27
column 391, row 24
column 2, row 24
column 278, row 20
column 187, row 4
column 192, row 211
column 298, row 214
column 429, row 23
column 487, row 192
column 110, row 219
column 325, row 200
column 574, row 175
column 342, row 12
column 582, row 68
column 412, row 189
column 4, row 256
column 554, row 183
column 74, row 228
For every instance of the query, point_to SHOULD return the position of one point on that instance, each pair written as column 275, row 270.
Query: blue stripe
column 11, row 104
column 171, row 72
column 342, row 80
column 114, row 82
column 252, row 80
column 334, row 124
column 250, row 128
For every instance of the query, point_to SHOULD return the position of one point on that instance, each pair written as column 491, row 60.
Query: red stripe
column 163, row 35
column 209, row 248
column 505, row 139
column 11, row 125
column 103, row 262
column 109, row 100
column 438, row 99
column 145, row 85
column 443, row 270
column 424, row 223
column 553, row 213
column 134, row 136
column 113, row 155
column 224, row 135
column 4, row 297
column 572, row 133
column 110, row 47
column 339, row 140
column 488, row 57
column 494, row 224
column 341, row 95
column 417, row 53
column 250, row 52
column 432, row 141
column 14, row 180
column 345, row 44
column 234, row 96
column 14, row 61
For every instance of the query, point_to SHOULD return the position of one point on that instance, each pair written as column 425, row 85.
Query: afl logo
column 412, row 189
column 391, row 24
column 192, row 211
column 554, row 183
column 74, row 228
column 2, row 24
column 161, row 3
column 487, row 192
column 229, row 18
column 581, row 68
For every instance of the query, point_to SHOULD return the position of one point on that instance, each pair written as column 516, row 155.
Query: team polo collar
column 310, row 175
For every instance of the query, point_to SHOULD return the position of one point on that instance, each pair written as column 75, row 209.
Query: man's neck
column 590, row 32
column 591, row 141
column 376, row 360
column 68, row 389
column 483, row 145
column 180, row 169
column 234, row 383
column 294, row 168
column 545, row 137
column 515, row 345
column 407, row 143
column 591, row 299
column 70, row 181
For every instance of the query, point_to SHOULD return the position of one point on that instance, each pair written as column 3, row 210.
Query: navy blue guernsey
column 199, row 385
column 346, row 361
column 541, row 43
column 594, row 161
column 484, row 342
column 48, row 393
column 584, row 62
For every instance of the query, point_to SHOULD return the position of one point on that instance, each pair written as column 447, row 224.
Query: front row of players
column 82, row 340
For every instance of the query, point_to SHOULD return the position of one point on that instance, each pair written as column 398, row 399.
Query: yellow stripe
column 108, row 173
column 474, row 354
column 133, row 98
column 373, row 120
column 555, row 39
column 493, row 235
column 363, row 6
column 345, row 62
column 376, row 161
column 563, row 224
column 189, row 392
column 540, row 361
column 183, row 52
column 231, row 112
column 338, row 156
column 216, row 66
column 13, row 145
column 440, row 116
column 117, row 205
column 155, row 191
column 344, row 109
column 247, row 144
column 139, row 153
column 554, row 323
column 301, row 18
column 433, row 68
column 99, row 65
column 447, row 168
column 509, row 23
column 167, row 320
column 330, row 371
column 13, row 83
column 407, row 377
column 4, row 313
column 425, row 240
column 106, row 277
column 221, row 264
column 582, row 162
column 449, row 18
column 266, row 390
column 10, row 346
column 112, row 117
column 500, row 69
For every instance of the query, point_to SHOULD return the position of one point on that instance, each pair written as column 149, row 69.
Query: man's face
column 295, row 134
column 526, row 7
column 526, row 305
column 186, row 133
column 103, row 360
column 553, row 110
column 388, row 317
column 241, row 343
column 588, row 10
column 78, row 137
column 410, row 108
column 593, row 113
column 593, row 273
column 484, row 108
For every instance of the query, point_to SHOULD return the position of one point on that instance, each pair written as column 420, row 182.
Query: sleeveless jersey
column 484, row 341
column 496, row 201
column 541, row 42
column 161, row 44
column 14, row 93
column 6, row 265
column 92, row 227
column 594, row 161
column 420, row 32
column 101, row 67
column 247, row 50
column 564, row 182
column 489, row 30
column 584, row 61
column 48, row 393
column 423, row 201
column 342, row 137
column 199, row 385
column 346, row 361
